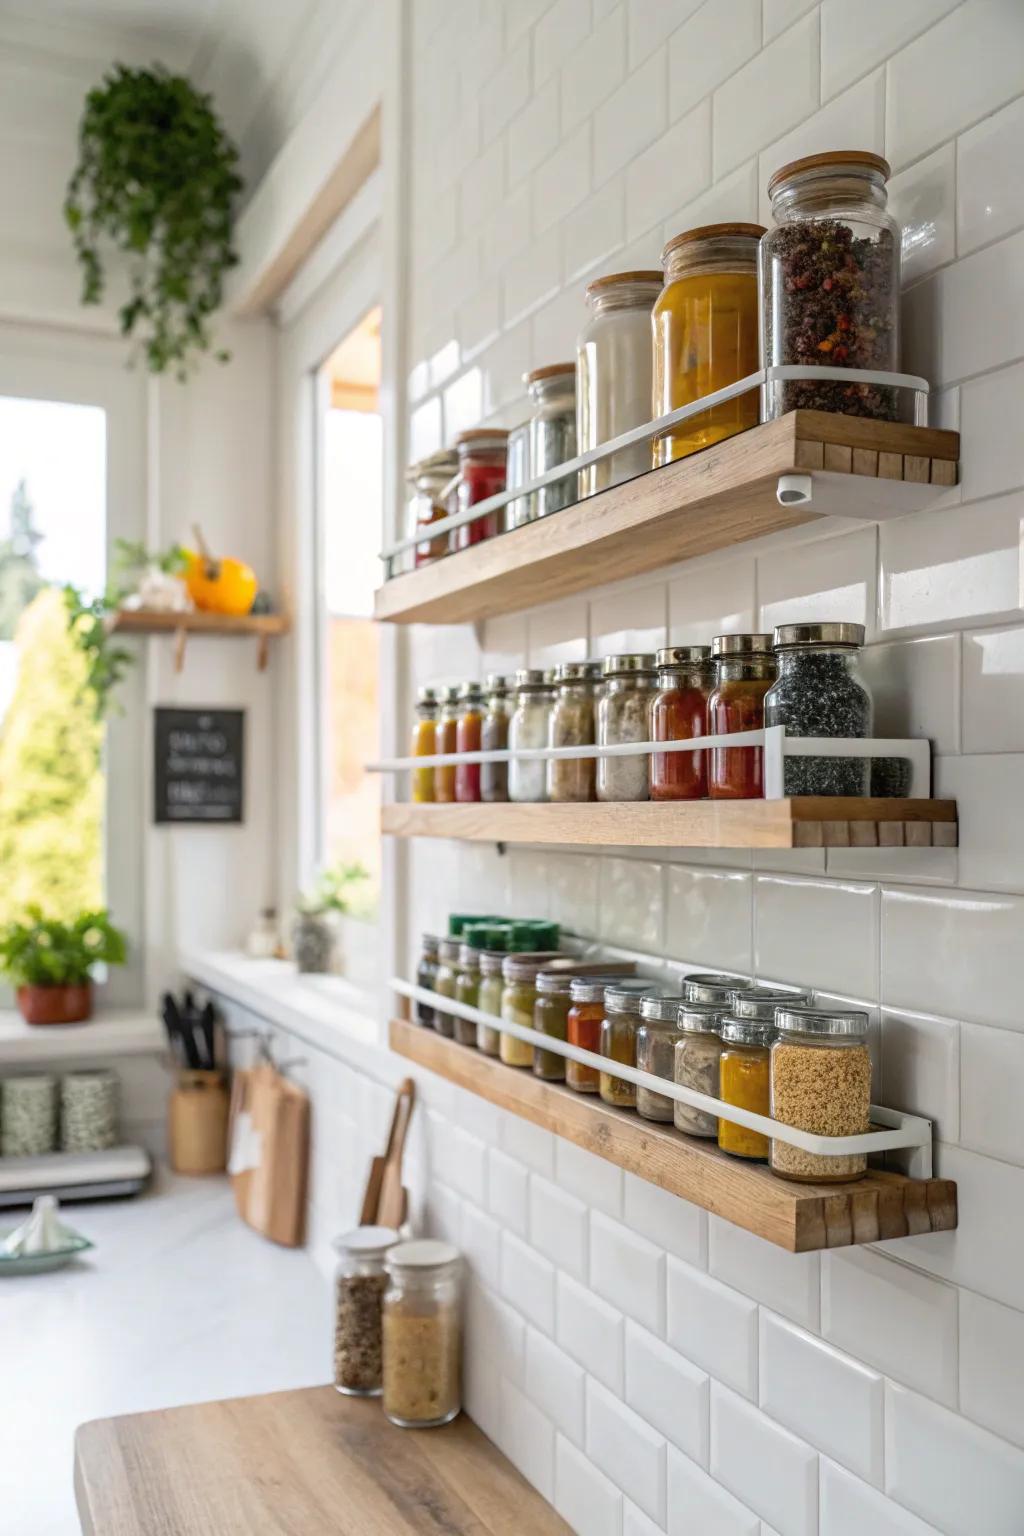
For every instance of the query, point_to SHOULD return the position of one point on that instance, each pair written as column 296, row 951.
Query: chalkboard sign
column 199, row 761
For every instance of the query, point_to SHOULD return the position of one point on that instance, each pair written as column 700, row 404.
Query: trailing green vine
column 157, row 177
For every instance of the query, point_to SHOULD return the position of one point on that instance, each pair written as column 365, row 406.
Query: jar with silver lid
column 818, row 692
column 713, row 987
column 656, row 1039
column 571, row 724
column 698, row 1051
column 745, row 669
column 618, row 1040
column 552, row 392
column 517, row 472
column 743, row 1073
column 761, row 1002
column 494, row 738
column 422, row 1334
column 528, row 728
column 360, row 1281
column 624, row 715
column 820, row 1082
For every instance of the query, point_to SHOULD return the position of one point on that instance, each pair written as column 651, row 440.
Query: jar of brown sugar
column 421, row 1335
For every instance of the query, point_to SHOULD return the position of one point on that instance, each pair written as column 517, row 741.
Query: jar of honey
column 745, row 669
column 679, row 711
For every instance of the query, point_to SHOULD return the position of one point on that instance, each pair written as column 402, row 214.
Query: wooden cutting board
column 306, row 1463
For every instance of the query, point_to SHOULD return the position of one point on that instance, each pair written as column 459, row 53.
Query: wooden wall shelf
column 808, row 822
column 713, row 499
column 798, row 1217
column 141, row 621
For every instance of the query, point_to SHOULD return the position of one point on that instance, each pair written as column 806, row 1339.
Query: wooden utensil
column 386, row 1200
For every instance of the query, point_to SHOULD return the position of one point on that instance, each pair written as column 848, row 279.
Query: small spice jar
column 583, row 1025
column 518, row 997
column 467, row 984
column 426, row 976
column 712, row 987
column 613, row 374
column 761, row 1003
column 422, row 1334
column 488, row 1038
column 517, row 472
column 550, row 1017
column 696, row 1065
column 494, row 738
column 679, row 711
column 820, row 1082
column 623, row 714
column 819, row 692
column 430, row 479
column 618, row 1041
column 424, row 744
column 446, row 737
column 482, row 453
column 743, row 1077
column 571, row 723
column 360, row 1281
column 552, row 392
column 528, row 728
column 448, row 952
column 744, row 671
column 830, row 284
column 655, row 1052
column 706, row 334
column 467, row 739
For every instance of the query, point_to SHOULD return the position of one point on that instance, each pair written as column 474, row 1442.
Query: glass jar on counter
column 743, row 1079
column 448, row 952
column 697, row 1054
column 422, row 1335
column 430, row 479
column 482, row 452
column 446, row 738
column 360, row 1281
column 713, row 987
column 613, row 374
column 494, row 738
column 528, row 728
column 706, row 334
column 426, row 977
column 583, row 1025
column 467, row 988
column 624, row 714
column 820, row 1082
column 571, row 724
column 518, row 998
column 679, row 711
column 744, row 671
column 655, row 1052
column 467, row 739
column 517, row 472
column 550, row 1017
column 830, row 285
column 552, row 392
column 424, row 744
column 818, row 692
column 488, row 1037
column 618, row 1041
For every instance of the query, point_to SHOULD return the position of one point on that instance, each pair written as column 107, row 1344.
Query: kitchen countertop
column 307, row 1461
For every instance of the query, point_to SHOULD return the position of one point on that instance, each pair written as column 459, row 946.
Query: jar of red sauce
column 679, row 712
column 745, row 669
column 482, row 461
column 467, row 739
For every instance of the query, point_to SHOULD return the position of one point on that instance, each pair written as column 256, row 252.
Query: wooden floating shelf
column 718, row 497
column 798, row 1217
column 142, row 621
column 806, row 822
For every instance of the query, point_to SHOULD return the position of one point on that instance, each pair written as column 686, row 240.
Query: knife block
column 197, row 1123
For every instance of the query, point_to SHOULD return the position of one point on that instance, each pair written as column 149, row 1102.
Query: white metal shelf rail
column 900, row 1132
column 787, row 494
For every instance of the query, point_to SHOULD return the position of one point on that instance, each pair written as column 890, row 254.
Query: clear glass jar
column 697, row 1054
column 571, row 724
column 494, row 738
column 467, row 990
column 744, row 671
column 482, row 453
column 820, row 1082
column 618, row 1041
column 528, row 728
column 422, row 1335
column 655, row 1052
column 550, row 1017
column 430, row 479
column 613, row 374
column 517, row 472
column 448, row 952
column 583, row 1024
column 467, row 739
column 762, row 1003
column 518, row 997
column 743, row 1077
column 624, row 714
column 488, row 1038
column 426, row 976
column 713, row 987
column 552, row 392
column 830, row 285
column 706, row 331
column 446, row 737
column 424, row 744
column 679, row 711
column 360, row 1280
column 819, row 692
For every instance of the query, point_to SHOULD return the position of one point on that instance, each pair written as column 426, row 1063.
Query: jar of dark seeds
column 359, row 1286
column 818, row 692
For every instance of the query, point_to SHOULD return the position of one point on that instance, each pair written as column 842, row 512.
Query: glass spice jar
column 550, row 1017
column 426, row 977
column 552, row 392
column 761, row 1003
column 528, row 728
column 482, row 452
column 494, row 738
column 448, row 952
column 713, row 987
column 360, row 1280
column 696, row 1064
column 517, row 472
column 488, row 1038
column 679, row 711
column 422, row 1335
column 583, row 1025
column 467, row 739
column 656, row 1039
column 446, row 737
column 519, row 994
column 571, row 724
column 819, row 692
column 830, row 284
column 744, row 671
column 467, row 987
column 820, row 1082
column 613, row 374
column 431, row 480
column 618, row 1041
column 743, row 1080
column 424, row 744
column 706, row 332
column 624, row 714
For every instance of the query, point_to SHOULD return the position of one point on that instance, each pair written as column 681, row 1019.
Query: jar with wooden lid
column 446, row 738
column 360, row 1281
column 695, row 1065
column 426, row 977
column 819, row 692
column 820, row 1082
column 482, row 454
column 571, row 723
column 448, row 954
column 618, row 1040
column 624, row 715
column 656, row 1038
column 430, row 480
column 743, row 1078
column 467, row 739
column 679, row 711
column 552, row 392
column 830, row 285
column 422, row 1334
column 706, row 334
column 424, row 744
column 583, row 1024
column 494, row 738
column 550, row 1017
column 518, row 998
column 713, row 987
column 745, row 669
column 527, row 729
column 614, row 367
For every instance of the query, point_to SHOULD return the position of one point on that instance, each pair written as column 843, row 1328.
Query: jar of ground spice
column 448, row 953
column 552, row 392
column 421, row 1335
column 467, row 983
column 519, row 994
column 494, row 738
column 424, row 744
column 528, row 729
column 426, row 977
column 679, row 711
column 743, row 1077
column 488, row 1037
column 613, row 374
column 618, row 1041
column 819, row 692
column 698, row 1052
column 820, row 1082
column 359, row 1285
column 467, row 739
column 446, row 741
column 550, row 1017
column 745, row 669
column 656, row 1039
column 571, row 724
column 583, row 1025
column 624, row 715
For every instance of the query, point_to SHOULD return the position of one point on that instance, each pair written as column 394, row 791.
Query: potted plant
column 51, row 963
column 314, row 932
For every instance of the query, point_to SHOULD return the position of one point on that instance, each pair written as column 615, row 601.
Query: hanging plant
column 156, row 177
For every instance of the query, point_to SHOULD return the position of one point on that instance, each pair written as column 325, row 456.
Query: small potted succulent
column 315, row 935
column 51, row 963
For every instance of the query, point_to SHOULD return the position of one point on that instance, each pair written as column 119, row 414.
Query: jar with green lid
column 528, row 730
column 713, row 987
column 426, row 977
column 467, row 990
column 743, row 1076
column 448, row 952
column 697, row 1054
column 458, row 922
column 624, row 715
column 550, row 1016
column 494, row 738
column 518, row 997
column 533, row 934
column 655, row 1052
column 488, row 1038
column 820, row 1082
column 618, row 1041
column 571, row 723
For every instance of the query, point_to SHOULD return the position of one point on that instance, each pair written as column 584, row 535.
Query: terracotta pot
column 56, row 1005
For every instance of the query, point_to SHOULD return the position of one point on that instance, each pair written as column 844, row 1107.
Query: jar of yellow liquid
column 706, row 331
column 424, row 744
column 744, row 1076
